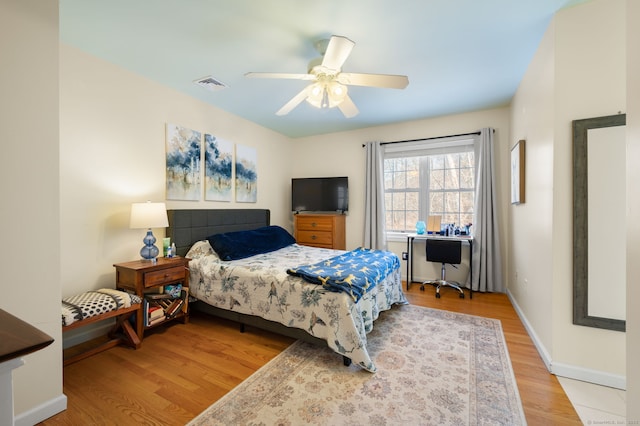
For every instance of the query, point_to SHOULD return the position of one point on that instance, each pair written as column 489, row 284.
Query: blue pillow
column 241, row 244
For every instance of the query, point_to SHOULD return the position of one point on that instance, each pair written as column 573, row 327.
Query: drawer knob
column 314, row 224
column 313, row 237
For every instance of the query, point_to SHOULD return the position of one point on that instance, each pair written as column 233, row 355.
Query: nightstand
column 144, row 277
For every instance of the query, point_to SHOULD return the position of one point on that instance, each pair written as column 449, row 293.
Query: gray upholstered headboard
column 188, row 226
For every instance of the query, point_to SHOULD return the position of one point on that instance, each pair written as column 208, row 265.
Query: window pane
column 451, row 179
column 399, row 180
column 388, row 201
column 398, row 221
column 452, row 161
column 450, row 218
column 436, row 179
column 436, row 203
column 412, row 218
column 413, row 201
column 413, row 163
column 398, row 201
column 388, row 180
column 444, row 183
column 452, row 202
column 437, row 162
column 466, row 202
column 413, row 179
column 466, row 159
column 388, row 221
column 466, row 178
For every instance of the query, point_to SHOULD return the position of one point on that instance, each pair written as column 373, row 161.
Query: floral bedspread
column 260, row 286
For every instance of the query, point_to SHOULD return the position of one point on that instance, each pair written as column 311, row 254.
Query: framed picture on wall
column 517, row 173
column 246, row 174
column 183, row 147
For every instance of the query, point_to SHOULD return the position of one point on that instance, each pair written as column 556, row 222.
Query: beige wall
column 530, row 227
column 29, row 218
column 342, row 154
column 584, row 88
column 578, row 72
column 633, row 210
column 112, row 153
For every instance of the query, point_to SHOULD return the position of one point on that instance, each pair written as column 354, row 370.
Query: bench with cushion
column 98, row 305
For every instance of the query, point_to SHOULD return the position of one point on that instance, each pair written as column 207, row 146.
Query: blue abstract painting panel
column 218, row 160
column 246, row 174
column 183, row 147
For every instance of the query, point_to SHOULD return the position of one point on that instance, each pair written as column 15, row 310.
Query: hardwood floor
column 182, row 369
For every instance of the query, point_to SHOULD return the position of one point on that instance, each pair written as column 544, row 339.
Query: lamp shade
column 148, row 215
column 326, row 94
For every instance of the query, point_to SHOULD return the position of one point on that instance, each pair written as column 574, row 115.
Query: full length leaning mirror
column 599, row 258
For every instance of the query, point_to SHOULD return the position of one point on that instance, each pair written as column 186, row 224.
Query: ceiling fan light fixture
column 328, row 87
column 326, row 94
column 337, row 92
column 316, row 93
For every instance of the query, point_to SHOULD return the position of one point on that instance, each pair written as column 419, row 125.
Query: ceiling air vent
column 210, row 83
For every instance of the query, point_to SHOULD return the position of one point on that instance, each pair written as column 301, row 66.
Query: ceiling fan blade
column 348, row 108
column 280, row 75
column 294, row 102
column 373, row 80
column 337, row 52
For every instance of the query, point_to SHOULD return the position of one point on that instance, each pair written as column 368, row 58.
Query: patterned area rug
column 434, row 368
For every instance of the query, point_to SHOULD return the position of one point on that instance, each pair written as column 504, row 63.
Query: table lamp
column 148, row 215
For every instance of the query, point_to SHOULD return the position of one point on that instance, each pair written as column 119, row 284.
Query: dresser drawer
column 315, row 224
column 168, row 275
column 315, row 237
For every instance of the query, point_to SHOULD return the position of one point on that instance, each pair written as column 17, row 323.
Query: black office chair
column 444, row 251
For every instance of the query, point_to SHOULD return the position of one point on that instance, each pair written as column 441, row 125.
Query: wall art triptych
column 184, row 167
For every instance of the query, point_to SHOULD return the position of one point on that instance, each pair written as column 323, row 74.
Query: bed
column 260, row 291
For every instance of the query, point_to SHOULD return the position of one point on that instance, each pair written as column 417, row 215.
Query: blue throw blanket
column 354, row 272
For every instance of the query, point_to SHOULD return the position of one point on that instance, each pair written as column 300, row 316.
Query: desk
column 412, row 237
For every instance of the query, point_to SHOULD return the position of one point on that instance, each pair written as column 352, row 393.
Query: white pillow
column 201, row 249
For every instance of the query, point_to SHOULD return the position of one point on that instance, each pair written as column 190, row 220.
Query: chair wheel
column 437, row 295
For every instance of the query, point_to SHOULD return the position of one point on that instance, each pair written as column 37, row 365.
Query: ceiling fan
column 329, row 87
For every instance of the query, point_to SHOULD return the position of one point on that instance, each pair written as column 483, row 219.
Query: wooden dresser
column 320, row 230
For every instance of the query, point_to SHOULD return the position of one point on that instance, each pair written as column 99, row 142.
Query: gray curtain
column 374, row 229
column 487, row 262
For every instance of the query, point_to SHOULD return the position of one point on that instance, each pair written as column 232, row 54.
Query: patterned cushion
column 92, row 303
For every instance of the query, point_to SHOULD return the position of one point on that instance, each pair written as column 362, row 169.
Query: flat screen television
column 324, row 194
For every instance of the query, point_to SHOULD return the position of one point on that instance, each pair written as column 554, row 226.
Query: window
column 427, row 179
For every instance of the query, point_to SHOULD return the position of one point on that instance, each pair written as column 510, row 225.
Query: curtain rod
column 427, row 139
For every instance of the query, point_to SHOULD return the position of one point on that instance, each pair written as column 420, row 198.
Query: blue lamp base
column 149, row 251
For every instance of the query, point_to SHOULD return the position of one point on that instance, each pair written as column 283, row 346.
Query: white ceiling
column 459, row 55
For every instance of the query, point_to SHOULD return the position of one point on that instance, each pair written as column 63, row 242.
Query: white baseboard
column 591, row 376
column 544, row 354
column 42, row 412
column 566, row 370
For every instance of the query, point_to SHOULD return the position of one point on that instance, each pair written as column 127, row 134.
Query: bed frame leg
column 241, row 327
column 346, row 361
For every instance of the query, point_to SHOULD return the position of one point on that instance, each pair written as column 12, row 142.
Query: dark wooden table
column 18, row 338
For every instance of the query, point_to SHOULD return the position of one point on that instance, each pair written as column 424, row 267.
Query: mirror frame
column 580, row 223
